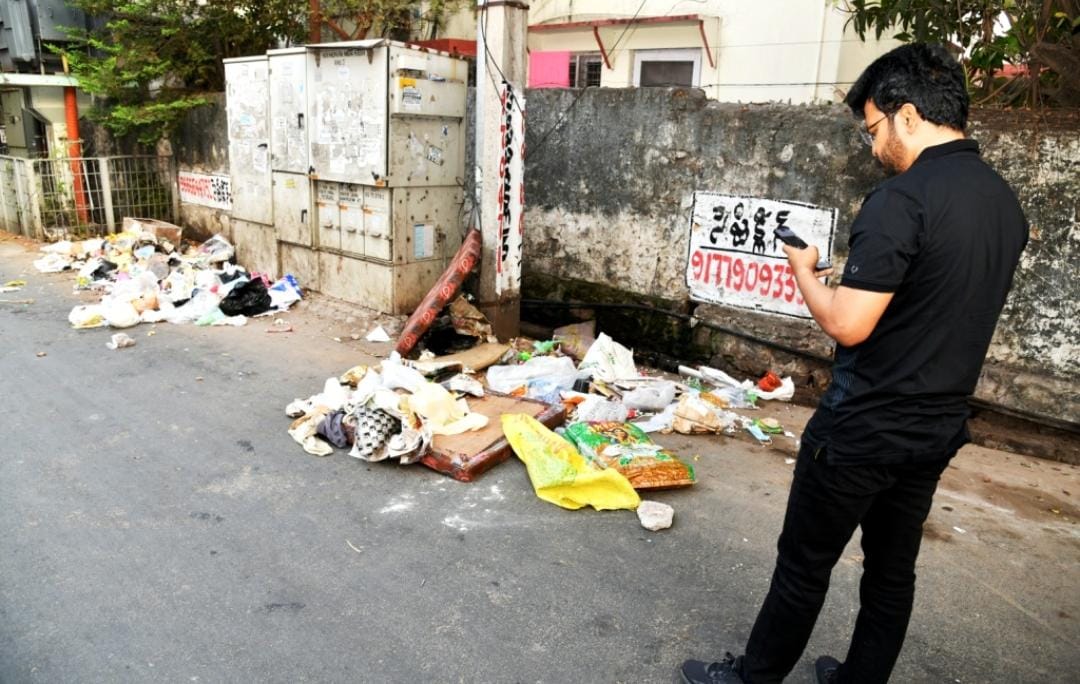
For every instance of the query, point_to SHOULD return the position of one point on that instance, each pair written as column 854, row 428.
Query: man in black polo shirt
column 932, row 256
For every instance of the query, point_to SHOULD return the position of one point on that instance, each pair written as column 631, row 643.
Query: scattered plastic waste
column 608, row 360
column 655, row 396
column 696, row 416
column 285, row 292
column 465, row 384
column 562, row 476
column 597, row 408
column 443, row 414
column 87, row 316
column 753, row 429
column 627, row 449
column 146, row 274
column 769, row 426
column 769, row 382
column 13, row 286
column 557, row 369
column 575, row 340
column 658, row 422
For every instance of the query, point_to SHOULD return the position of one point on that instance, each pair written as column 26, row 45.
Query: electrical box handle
column 303, row 216
column 300, row 121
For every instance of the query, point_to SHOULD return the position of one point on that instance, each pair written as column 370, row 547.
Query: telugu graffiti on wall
column 511, row 190
column 209, row 191
column 735, row 259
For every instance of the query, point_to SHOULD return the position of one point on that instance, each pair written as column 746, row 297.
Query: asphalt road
column 158, row 524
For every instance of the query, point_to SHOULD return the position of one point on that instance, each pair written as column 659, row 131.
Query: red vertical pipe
column 71, row 109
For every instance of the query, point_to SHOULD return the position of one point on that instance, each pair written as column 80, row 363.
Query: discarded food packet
column 561, row 475
column 626, row 448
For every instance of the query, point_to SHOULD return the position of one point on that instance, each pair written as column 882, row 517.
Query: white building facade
column 797, row 51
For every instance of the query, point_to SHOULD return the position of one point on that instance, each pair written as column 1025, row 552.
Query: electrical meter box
column 288, row 109
column 364, row 163
column 247, row 107
column 384, row 113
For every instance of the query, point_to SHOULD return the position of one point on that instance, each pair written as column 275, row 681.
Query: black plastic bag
column 249, row 299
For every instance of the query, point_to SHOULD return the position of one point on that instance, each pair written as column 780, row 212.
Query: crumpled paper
column 441, row 413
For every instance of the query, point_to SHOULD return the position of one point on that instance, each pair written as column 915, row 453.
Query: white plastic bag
column 84, row 316
column 655, row 396
column 609, row 361
column 120, row 314
column 559, row 370
column 784, row 392
column 396, row 375
column 284, row 292
column 595, row 408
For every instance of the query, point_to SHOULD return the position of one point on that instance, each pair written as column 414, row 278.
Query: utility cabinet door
column 348, row 110
column 328, row 214
column 247, row 105
column 351, row 204
column 288, row 112
column 426, row 151
column 292, row 208
column 378, row 228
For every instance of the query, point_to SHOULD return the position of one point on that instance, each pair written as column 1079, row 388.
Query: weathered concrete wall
column 201, row 145
column 609, row 193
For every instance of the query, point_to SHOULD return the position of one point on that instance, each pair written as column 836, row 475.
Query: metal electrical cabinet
column 247, row 105
column 366, row 146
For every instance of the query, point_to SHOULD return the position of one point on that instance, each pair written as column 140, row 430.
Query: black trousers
column 826, row 504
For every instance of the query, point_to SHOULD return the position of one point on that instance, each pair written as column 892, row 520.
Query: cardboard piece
column 468, row 455
column 478, row 358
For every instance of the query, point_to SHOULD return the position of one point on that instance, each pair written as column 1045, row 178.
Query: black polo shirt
column 945, row 237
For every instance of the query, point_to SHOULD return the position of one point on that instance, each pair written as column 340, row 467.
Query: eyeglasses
column 867, row 132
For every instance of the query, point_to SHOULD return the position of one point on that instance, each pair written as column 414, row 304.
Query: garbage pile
column 602, row 457
column 148, row 274
column 389, row 412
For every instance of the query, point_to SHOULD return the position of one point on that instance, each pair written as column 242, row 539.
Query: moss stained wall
column 610, row 177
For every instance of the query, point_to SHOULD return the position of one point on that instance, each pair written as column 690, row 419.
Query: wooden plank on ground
column 464, row 457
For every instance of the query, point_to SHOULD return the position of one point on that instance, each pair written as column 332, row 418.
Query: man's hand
column 802, row 259
column 805, row 259
column 847, row 315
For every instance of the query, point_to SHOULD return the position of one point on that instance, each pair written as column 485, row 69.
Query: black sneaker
column 700, row 672
column 826, row 669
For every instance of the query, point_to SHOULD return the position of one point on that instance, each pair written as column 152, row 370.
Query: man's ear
column 908, row 117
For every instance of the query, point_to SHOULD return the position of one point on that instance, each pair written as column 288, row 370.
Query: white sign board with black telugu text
column 735, row 259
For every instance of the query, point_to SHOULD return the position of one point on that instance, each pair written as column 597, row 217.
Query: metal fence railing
column 82, row 196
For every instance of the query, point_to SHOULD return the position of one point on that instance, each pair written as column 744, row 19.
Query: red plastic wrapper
column 769, row 382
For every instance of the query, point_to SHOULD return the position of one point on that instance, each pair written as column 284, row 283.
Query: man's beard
column 892, row 157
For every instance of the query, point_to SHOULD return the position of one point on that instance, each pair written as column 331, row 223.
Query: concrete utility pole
column 501, row 73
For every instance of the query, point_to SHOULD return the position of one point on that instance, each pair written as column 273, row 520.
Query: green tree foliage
column 152, row 60
column 1040, row 38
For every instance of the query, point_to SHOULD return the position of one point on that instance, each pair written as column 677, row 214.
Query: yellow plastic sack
column 559, row 474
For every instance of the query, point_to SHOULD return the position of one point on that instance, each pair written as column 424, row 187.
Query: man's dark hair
column 927, row 76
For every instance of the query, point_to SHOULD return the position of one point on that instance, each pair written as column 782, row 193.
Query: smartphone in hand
column 789, row 238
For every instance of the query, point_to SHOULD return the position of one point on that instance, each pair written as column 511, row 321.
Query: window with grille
column 585, row 69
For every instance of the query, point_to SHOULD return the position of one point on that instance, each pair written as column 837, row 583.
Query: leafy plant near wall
column 151, row 60
column 1016, row 52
